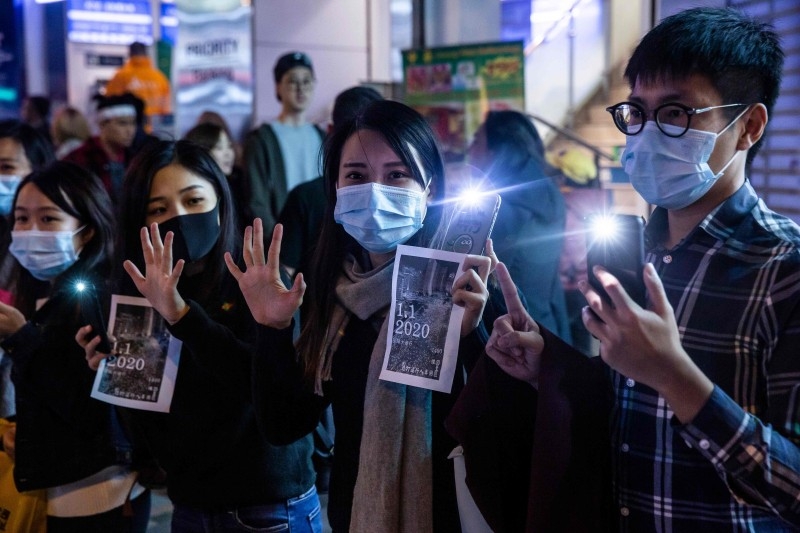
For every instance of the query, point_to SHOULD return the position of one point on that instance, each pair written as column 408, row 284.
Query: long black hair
column 37, row 147
column 136, row 195
column 80, row 194
column 411, row 138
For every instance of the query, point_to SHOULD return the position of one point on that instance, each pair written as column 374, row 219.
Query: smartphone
column 616, row 242
column 92, row 313
column 471, row 223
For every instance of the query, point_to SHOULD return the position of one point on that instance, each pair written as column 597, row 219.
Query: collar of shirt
column 719, row 223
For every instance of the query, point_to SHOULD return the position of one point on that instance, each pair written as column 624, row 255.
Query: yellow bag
column 19, row 512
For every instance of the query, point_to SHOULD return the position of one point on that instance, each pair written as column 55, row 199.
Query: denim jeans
column 301, row 514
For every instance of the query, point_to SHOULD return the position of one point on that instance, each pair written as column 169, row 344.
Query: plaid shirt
column 734, row 284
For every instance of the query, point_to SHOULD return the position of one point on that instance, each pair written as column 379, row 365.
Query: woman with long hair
column 66, row 442
column 177, row 221
column 217, row 140
column 384, row 181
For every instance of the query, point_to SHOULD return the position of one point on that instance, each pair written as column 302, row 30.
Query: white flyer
column 424, row 324
column 142, row 369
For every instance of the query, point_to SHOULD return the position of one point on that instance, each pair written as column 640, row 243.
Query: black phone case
column 622, row 256
column 471, row 224
column 92, row 314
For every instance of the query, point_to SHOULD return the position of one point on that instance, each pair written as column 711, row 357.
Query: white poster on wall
column 212, row 67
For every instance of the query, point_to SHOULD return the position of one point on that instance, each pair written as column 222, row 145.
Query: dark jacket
column 266, row 174
column 302, row 218
column 538, row 461
column 63, row 435
column 209, row 443
column 287, row 408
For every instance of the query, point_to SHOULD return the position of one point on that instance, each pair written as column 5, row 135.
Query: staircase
column 775, row 172
column 593, row 124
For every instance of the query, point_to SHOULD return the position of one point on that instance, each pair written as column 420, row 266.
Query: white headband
column 115, row 111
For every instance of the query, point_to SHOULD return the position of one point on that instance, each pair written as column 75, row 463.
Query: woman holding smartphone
column 383, row 178
column 66, row 442
column 177, row 220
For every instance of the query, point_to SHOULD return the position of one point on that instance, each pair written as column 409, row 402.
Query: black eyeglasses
column 673, row 119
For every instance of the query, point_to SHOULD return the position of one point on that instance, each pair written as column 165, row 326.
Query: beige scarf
column 393, row 490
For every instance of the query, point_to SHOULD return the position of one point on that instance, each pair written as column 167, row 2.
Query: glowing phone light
column 604, row 227
column 80, row 286
column 470, row 196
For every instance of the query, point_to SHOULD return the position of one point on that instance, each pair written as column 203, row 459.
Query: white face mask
column 8, row 188
column 672, row 172
column 45, row 254
column 378, row 216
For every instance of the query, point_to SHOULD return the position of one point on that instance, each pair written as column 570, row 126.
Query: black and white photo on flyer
column 141, row 371
column 424, row 324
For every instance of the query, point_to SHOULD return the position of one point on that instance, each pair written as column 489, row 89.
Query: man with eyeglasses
column 700, row 391
column 284, row 153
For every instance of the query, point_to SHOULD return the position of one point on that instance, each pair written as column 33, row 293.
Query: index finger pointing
column 510, row 295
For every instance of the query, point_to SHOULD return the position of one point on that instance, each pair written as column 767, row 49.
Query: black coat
column 63, row 435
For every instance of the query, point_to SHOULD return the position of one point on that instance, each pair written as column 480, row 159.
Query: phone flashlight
column 471, row 221
column 616, row 242
column 470, row 196
column 604, row 227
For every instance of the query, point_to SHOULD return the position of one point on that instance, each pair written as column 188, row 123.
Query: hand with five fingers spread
column 159, row 284
column 515, row 343
column 469, row 289
column 644, row 344
column 271, row 303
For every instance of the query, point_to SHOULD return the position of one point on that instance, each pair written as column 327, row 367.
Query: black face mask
column 194, row 235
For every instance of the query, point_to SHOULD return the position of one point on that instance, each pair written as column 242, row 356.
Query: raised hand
column 159, row 284
column 515, row 343
column 271, row 303
column 644, row 344
column 469, row 289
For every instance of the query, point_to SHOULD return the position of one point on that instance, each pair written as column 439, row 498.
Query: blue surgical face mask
column 8, row 188
column 45, row 254
column 379, row 217
column 672, row 172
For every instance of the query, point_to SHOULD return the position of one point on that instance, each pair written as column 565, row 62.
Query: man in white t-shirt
column 284, row 153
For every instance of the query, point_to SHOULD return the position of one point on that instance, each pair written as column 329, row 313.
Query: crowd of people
column 273, row 265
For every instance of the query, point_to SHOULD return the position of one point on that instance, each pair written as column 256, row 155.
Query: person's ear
column 755, row 122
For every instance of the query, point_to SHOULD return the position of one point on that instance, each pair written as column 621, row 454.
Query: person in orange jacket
column 140, row 77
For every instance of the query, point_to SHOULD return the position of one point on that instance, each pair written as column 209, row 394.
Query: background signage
column 109, row 22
